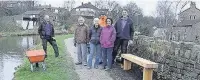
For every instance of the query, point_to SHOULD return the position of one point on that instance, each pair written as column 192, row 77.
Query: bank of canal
column 61, row 68
column 12, row 52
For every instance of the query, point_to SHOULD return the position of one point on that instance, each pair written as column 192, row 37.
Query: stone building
column 88, row 10
column 35, row 17
column 30, row 18
column 59, row 14
column 187, row 29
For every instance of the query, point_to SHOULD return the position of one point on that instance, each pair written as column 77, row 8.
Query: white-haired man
column 81, row 38
column 46, row 32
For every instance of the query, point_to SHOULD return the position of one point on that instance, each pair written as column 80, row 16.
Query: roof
column 192, row 6
column 41, row 7
column 88, row 5
column 32, row 12
column 5, row 10
column 187, row 23
column 187, row 10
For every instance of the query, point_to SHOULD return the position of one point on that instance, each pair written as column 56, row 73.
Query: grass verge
column 60, row 68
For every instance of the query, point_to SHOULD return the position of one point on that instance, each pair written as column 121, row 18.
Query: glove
column 130, row 42
column 53, row 37
column 41, row 37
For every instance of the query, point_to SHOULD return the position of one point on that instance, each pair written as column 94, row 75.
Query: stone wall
column 177, row 60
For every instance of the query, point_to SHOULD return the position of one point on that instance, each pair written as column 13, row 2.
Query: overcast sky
column 148, row 6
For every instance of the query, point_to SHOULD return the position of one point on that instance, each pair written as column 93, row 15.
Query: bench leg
column 127, row 65
column 147, row 74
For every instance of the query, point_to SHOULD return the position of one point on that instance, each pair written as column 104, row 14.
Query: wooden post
column 127, row 65
column 147, row 74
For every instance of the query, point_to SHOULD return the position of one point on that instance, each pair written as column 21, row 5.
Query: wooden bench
column 147, row 65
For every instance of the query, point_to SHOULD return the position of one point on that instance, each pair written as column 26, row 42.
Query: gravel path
column 83, row 72
column 97, row 74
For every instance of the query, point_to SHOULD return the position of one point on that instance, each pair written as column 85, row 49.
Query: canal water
column 12, row 51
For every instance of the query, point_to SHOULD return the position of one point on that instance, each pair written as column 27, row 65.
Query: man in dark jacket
column 81, row 38
column 125, row 31
column 46, row 32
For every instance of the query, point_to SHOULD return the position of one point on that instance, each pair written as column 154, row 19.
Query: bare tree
column 105, row 4
column 115, row 9
column 100, row 4
column 135, row 13
column 133, row 9
column 179, row 5
column 167, row 11
column 69, row 4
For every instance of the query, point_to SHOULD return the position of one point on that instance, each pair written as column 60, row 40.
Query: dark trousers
column 123, row 43
column 53, row 44
column 107, row 57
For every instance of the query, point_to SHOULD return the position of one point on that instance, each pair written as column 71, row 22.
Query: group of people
column 104, row 39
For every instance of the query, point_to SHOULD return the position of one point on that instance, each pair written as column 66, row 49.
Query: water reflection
column 12, row 52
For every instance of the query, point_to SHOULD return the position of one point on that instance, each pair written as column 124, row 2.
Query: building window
column 192, row 17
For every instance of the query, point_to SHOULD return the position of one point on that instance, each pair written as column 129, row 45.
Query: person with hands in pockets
column 95, row 47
